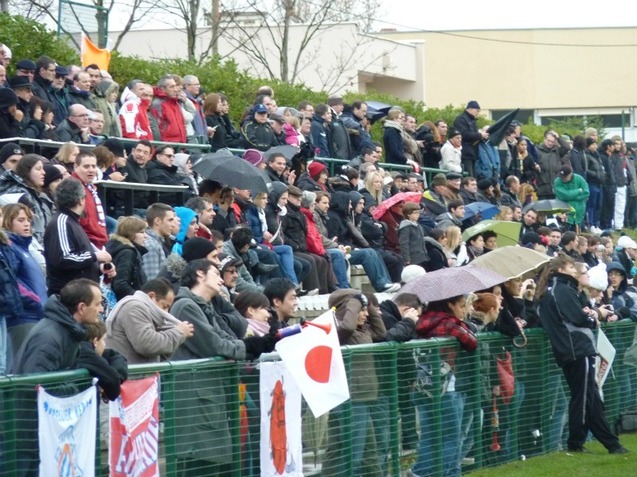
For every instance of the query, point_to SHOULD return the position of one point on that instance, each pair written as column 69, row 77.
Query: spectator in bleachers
column 41, row 113
column 166, row 111
column 203, row 436
column 81, row 91
column 276, row 167
column 225, row 218
column 76, row 126
column 28, row 271
column 53, row 175
column 321, row 132
column 94, row 218
column 255, row 307
column 393, row 137
column 339, row 223
column 66, row 156
column 44, row 75
column 25, row 67
column 347, row 181
column 26, row 184
column 161, row 170
column 9, row 115
column 353, row 117
column 59, row 93
column 315, row 179
column 281, row 294
column 221, row 137
column 133, row 115
column 24, row 91
column 94, row 74
column 106, row 95
column 229, row 267
column 126, row 247
column 238, row 246
column 412, row 237
column 68, row 250
column 192, row 89
column 140, row 327
column 188, row 226
column 10, row 154
column 160, row 219
column 373, row 191
column 257, row 133
column 276, row 123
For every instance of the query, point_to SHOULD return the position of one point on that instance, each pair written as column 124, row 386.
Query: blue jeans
column 451, row 411
column 339, row 265
column 286, row 258
column 374, row 267
column 594, row 205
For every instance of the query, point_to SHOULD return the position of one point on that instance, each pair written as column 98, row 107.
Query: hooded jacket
column 127, row 258
column 625, row 297
column 569, row 328
column 321, row 137
column 133, row 116
column 550, row 163
column 141, row 331
column 273, row 211
column 412, row 243
column 103, row 89
column 341, row 147
column 313, row 238
column 363, row 378
column 170, row 119
column 295, row 229
column 468, row 127
column 575, row 193
column 398, row 329
column 185, row 216
column 53, row 344
column 437, row 255
column 159, row 173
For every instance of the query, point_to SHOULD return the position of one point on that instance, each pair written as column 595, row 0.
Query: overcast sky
column 501, row 14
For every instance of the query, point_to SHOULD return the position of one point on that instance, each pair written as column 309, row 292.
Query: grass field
column 562, row 464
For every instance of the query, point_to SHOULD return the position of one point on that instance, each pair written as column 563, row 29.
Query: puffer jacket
column 53, row 344
column 595, row 174
column 127, row 258
column 133, row 116
column 550, row 163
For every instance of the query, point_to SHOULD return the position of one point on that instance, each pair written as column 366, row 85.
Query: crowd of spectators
column 220, row 275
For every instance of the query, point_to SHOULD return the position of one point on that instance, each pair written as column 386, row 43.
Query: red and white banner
column 134, row 430
column 281, row 443
column 315, row 361
column 67, row 429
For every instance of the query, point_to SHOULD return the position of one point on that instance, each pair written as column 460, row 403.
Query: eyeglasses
column 60, row 76
column 80, row 115
column 168, row 155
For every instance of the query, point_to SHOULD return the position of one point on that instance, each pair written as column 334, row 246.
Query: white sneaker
column 392, row 288
column 313, row 292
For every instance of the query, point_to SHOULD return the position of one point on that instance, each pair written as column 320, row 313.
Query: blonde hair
column 369, row 183
column 504, row 210
column 11, row 211
column 394, row 112
column 294, row 122
column 454, row 237
column 65, row 152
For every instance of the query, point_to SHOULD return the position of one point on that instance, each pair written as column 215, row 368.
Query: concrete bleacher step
column 313, row 306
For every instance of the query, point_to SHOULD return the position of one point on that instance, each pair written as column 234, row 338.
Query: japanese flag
column 314, row 360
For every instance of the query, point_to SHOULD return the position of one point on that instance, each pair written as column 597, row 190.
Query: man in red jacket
column 94, row 219
column 167, row 111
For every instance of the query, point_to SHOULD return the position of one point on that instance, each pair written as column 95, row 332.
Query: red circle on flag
column 318, row 363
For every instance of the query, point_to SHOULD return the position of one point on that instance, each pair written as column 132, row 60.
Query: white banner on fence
column 281, row 445
column 67, row 428
column 315, row 361
column 134, row 426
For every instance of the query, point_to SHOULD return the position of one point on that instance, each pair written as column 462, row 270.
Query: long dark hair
column 443, row 305
column 549, row 271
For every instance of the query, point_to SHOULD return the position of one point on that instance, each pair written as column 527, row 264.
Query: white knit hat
column 411, row 272
column 598, row 278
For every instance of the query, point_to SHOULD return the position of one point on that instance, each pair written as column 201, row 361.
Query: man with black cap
column 9, row 115
column 24, row 91
column 451, row 152
column 229, row 268
column 454, row 180
column 258, row 134
column 572, row 189
column 25, row 68
column 467, row 125
column 10, row 154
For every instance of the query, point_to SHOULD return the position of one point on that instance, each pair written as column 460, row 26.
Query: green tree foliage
column 30, row 39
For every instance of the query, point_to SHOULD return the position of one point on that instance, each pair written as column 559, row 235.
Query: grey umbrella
column 234, row 172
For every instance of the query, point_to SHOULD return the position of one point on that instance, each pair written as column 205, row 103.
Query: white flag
column 281, row 443
column 68, row 429
column 315, row 361
column 604, row 360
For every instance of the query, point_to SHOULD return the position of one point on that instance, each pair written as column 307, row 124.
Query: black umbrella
column 232, row 171
column 377, row 110
column 548, row 206
column 498, row 128
column 288, row 151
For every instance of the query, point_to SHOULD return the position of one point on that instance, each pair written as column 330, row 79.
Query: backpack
column 425, row 377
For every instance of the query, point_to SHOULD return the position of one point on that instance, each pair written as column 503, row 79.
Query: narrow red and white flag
column 315, row 362
column 67, row 428
column 281, row 442
column 134, row 429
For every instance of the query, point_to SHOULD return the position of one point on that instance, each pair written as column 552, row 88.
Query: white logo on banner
column 281, row 446
column 67, row 430
column 134, row 430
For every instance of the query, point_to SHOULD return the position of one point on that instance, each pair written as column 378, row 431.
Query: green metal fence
column 378, row 432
